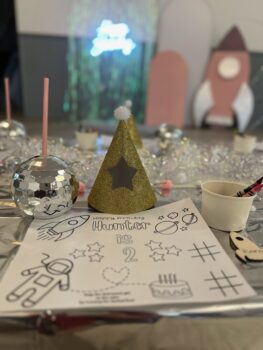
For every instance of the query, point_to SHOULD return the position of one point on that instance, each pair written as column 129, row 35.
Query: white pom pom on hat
column 122, row 113
column 128, row 104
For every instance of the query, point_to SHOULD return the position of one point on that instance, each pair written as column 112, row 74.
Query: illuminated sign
column 111, row 37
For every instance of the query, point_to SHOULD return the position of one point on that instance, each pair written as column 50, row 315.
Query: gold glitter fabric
column 135, row 136
column 122, row 186
column 75, row 186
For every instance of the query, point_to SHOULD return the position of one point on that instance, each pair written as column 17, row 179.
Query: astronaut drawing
column 41, row 280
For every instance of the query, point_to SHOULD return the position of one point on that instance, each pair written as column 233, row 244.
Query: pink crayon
column 45, row 117
column 7, row 100
column 252, row 189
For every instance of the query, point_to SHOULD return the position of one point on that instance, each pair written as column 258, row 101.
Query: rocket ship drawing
column 225, row 93
column 58, row 231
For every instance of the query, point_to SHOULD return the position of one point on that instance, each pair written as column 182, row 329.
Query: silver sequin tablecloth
column 199, row 326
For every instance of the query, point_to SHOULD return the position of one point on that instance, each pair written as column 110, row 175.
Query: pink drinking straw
column 7, row 100
column 45, row 117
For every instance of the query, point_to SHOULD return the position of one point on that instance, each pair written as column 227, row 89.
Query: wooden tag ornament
column 122, row 186
column 245, row 249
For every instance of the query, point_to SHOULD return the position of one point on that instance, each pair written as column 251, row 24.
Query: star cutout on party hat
column 122, row 175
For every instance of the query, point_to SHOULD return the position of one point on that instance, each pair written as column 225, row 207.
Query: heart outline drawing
column 114, row 276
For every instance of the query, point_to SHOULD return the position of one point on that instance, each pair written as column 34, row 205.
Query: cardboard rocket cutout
column 122, row 186
column 167, row 89
column 225, row 93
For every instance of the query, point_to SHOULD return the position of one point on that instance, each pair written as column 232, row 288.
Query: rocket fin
column 241, row 255
column 64, row 235
column 243, row 106
column 203, row 101
column 48, row 225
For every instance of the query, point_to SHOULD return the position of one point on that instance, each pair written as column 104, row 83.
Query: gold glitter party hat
column 131, row 125
column 121, row 186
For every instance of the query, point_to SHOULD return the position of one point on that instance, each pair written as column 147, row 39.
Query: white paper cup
column 86, row 140
column 244, row 144
column 220, row 209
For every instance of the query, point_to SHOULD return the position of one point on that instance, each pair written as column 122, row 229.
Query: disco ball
column 44, row 187
column 168, row 134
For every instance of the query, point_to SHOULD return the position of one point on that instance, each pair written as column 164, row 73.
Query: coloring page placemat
column 88, row 260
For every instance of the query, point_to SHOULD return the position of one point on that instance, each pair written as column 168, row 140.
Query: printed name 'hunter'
column 126, row 225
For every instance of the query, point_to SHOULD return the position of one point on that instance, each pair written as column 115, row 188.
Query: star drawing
column 122, row 175
column 185, row 210
column 95, row 247
column 154, row 245
column 78, row 253
column 173, row 250
column 95, row 258
column 157, row 257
